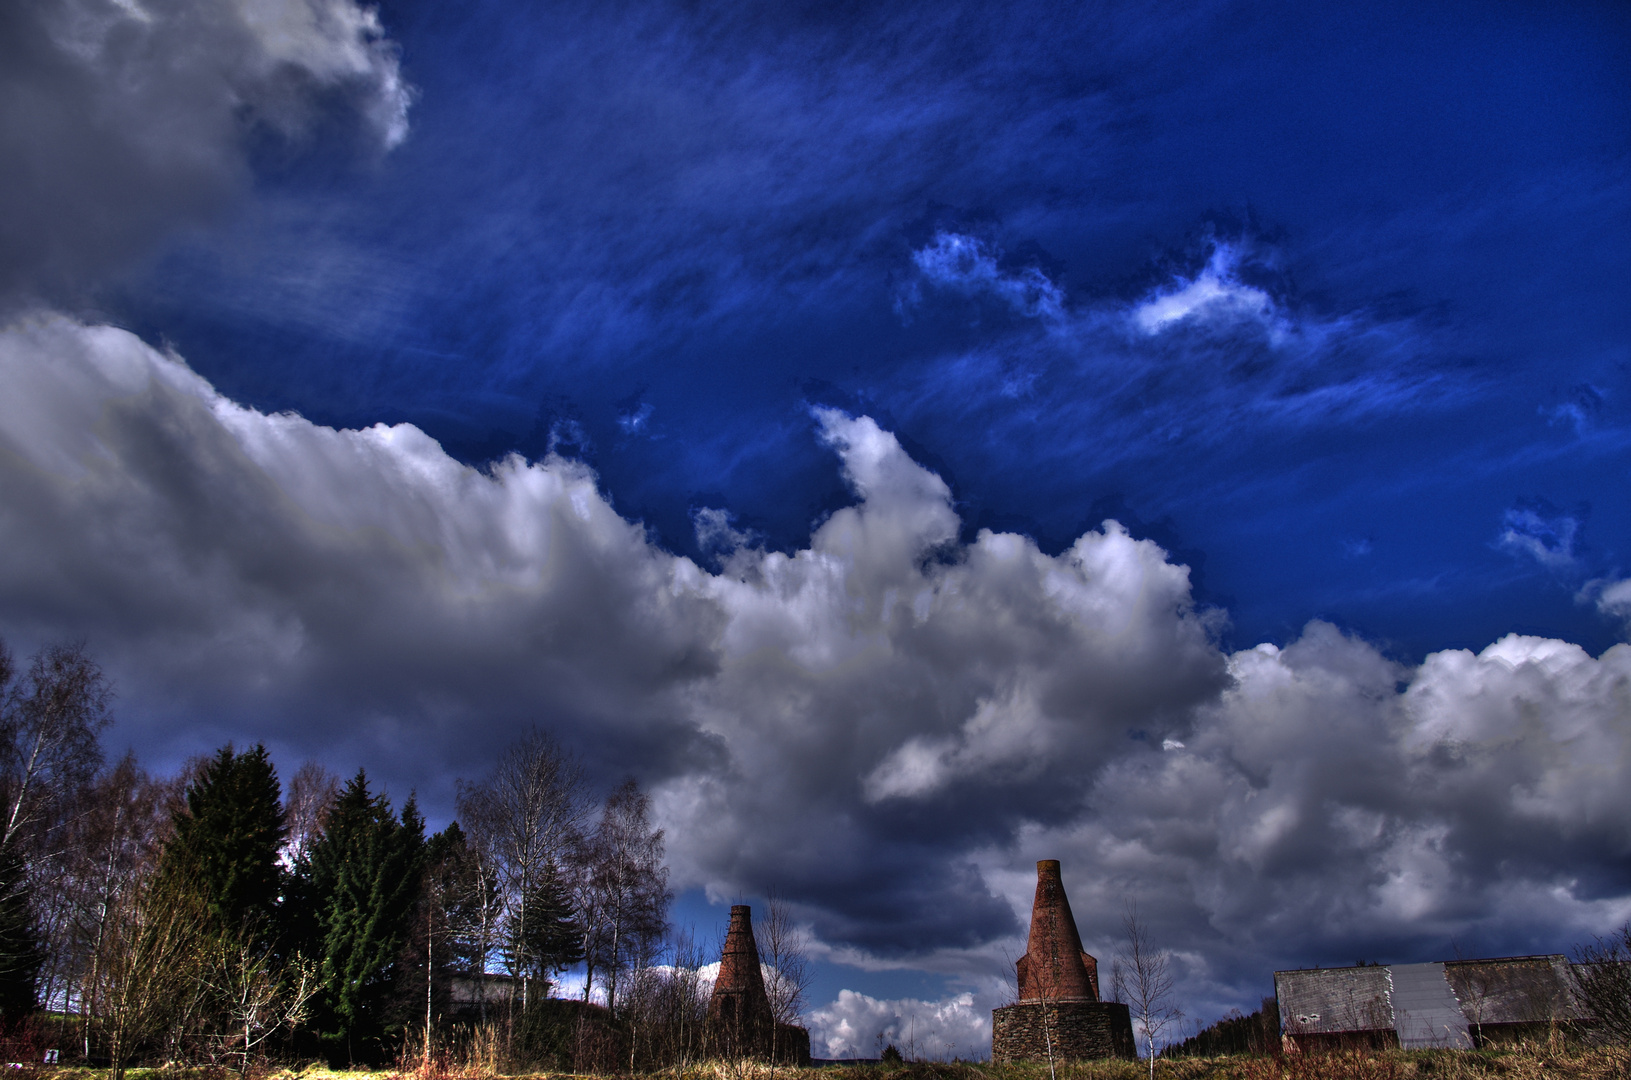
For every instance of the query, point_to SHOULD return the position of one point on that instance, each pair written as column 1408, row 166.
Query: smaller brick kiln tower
column 740, row 1023
column 1059, row 1015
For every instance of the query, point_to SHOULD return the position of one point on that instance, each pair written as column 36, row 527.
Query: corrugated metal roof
column 1334, row 1000
column 1425, row 1011
column 1426, row 1004
column 1514, row 989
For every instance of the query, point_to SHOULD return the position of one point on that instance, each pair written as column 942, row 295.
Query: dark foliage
column 362, row 879
column 550, row 938
column 20, row 952
column 227, row 839
column 444, row 939
column 1258, row 1033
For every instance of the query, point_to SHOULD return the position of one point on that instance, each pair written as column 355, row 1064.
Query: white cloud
column 890, row 724
column 138, row 113
column 1611, row 598
column 856, row 1025
column 1215, row 294
column 334, row 41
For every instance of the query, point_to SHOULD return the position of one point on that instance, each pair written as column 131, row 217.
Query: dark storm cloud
column 890, row 724
column 122, row 120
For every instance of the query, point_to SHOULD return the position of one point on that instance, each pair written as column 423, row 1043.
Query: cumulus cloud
column 1611, row 598
column 889, row 725
column 122, row 119
column 856, row 1025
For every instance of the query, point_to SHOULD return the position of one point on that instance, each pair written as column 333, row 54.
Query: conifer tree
column 550, row 939
column 227, row 841
column 20, row 953
column 363, row 876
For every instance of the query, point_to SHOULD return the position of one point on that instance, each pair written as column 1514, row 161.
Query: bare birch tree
column 114, row 844
column 1142, row 977
column 311, row 795
column 50, row 721
column 151, row 971
column 527, row 815
column 624, row 893
column 784, row 953
column 256, row 996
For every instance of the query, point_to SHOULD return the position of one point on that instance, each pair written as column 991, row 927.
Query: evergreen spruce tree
column 363, row 876
column 20, row 953
column 227, row 841
column 550, row 938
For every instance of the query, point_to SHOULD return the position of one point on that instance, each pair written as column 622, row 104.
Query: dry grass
column 1507, row 1063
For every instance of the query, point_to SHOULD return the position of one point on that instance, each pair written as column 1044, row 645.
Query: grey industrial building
column 1456, row 1003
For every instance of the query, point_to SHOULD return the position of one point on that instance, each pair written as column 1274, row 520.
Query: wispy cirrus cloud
column 1213, row 295
column 1543, row 533
column 971, row 266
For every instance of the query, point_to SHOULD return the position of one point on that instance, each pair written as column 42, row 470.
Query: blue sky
column 1328, row 307
column 661, row 235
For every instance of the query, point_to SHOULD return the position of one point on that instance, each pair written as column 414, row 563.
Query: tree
column 1142, row 977
column 112, row 847
column 665, row 1007
column 362, row 878
column 20, row 954
column 1602, row 982
column 446, row 937
column 227, row 840
column 50, row 721
column 550, row 939
column 624, row 893
column 526, row 816
column 256, row 996
column 311, row 795
column 784, row 950
column 151, row 965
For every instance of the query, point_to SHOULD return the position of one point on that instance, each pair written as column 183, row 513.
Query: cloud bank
column 123, row 119
column 889, row 724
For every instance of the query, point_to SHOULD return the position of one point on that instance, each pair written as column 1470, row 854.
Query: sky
column 1184, row 440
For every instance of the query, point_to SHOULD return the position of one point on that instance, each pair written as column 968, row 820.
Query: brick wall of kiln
column 1079, row 1031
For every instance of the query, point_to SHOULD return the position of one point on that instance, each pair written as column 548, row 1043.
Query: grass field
column 1511, row 1063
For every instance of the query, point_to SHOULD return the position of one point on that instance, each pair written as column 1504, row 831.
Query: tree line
column 218, row 914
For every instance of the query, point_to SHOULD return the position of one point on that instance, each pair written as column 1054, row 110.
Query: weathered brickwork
column 739, row 1022
column 1054, row 967
column 1059, row 1014
column 1074, row 1030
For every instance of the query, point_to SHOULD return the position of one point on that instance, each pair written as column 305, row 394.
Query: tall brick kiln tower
column 740, row 1023
column 1059, row 1015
